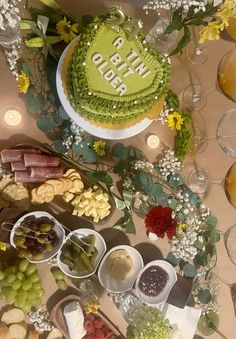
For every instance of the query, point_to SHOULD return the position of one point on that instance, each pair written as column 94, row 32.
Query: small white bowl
column 115, row 286
column 162, row 297
column 99, row 244
column 58, row 228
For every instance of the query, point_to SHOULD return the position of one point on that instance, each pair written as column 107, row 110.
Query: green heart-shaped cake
column 115, row 78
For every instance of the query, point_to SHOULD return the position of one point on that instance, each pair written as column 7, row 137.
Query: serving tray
column 58, row 318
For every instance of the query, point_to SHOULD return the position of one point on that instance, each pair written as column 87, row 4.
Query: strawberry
column 90, row 336
column 88, row 326
column 98, row 322
column 106, row 331
column 90, row 317
column 99, row 334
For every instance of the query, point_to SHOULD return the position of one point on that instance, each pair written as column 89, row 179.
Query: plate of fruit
column 81, row 253
column 37, row 236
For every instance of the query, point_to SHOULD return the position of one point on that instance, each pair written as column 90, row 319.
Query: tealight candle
column 12, row 117
column 153, row 141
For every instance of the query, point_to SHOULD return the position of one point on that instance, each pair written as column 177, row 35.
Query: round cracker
column 67, row 184
column 68, row 172
column 57, row 186
column 75, row 175
column 35, row 199
column 5, row 181
column 77, row 186
column 46, row 192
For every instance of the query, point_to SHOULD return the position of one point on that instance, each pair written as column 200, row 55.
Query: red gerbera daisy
column 159, row 221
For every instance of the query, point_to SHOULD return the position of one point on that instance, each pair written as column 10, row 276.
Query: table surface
column 213, row 159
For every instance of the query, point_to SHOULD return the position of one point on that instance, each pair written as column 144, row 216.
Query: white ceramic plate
column 170, row 283
column 104, row 133
column 58, row 229
column 99, row 244
column 112, row 285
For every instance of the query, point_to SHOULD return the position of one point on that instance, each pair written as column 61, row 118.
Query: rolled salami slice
column 38, row 160
column 46, row 172
column 24, row 176
column 10, row 155
column 18, row 166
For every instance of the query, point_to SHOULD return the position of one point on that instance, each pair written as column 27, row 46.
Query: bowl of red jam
column 155, row 282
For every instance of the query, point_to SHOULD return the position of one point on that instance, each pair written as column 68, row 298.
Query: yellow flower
column 51, row 3
column 66, row 30
column 23, row 83
column 100, row 148
column 3, row 246
column 211, row 31
column 175, row 120
column 35, row 42
column 182, row 227
column 27, row 24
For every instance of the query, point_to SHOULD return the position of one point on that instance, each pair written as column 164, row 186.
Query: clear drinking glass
column 194, row 97
column 197, row 53
column 230, row 241
column 199, row 180
column 227, row 75
column 226, row 133
column 159, row 39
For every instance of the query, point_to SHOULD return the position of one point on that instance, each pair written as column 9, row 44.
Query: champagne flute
column 197, row 53
column 194, row 98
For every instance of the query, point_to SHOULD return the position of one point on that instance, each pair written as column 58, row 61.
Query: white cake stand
column 104, row 133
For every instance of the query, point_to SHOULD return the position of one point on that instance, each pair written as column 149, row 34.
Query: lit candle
column 12, row 117
column 153, row 141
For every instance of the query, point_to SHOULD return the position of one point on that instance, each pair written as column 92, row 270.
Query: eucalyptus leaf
column 155, row 189
column 189, row 270
column 26, row 68
column 120, row 204
column 215, row 236
column 141, row 180
column 162, row 199
column 171, row 258
column 34, row 104
column 211, row 221
column 126, row 224
column 90, row 156
column 119, row 166
column 135, row 154
column 191, row 301
column 96, row 176
column 175, row 180
column 59, row 147
column 173, row 203
column 183, row 42
column 62, row 113
column 46, row 123
column 120, row 151
column 205, row 296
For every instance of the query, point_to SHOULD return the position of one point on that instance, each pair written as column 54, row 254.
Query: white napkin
column 185, row 318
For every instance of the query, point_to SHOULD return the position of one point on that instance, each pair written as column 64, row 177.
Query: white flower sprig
column 169, row 164
column 159, row 5
column 9, row 13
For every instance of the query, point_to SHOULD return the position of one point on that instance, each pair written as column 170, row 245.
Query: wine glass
column 197, row 53
column 159, row 39
column 227, row 75
column 199, row 139
column 226, row 133
column 199, row 180
column 194, row 97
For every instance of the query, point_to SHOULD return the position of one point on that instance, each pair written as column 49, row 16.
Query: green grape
column 1, row 266
column 14, row 269
column 16, row 284
column 203, row 324
column 37, row 285
column 62, row 285
column 20, row 276
column 34, row 277
column 10, row 294
column 23, row 265
column 40, row 292
column 36, row 302
column 21, row 295
column 9, row 270
column 2, row 275
column 30, row 269
column 26, row 285
column 26, row 308
column 10, row 278
column 32, row 294
column 58, row 274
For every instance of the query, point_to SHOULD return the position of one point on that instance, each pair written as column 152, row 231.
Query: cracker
column 57, row 186
column 67, row 184
column 77, row 186
column 68, row 172
column 35, row 199
column 74, row 175
column 4, row 181
column 46, row 192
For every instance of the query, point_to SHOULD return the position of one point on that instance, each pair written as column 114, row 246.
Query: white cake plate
column 104, row 133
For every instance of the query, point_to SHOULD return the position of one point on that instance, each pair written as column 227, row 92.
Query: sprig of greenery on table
column 182, row 21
